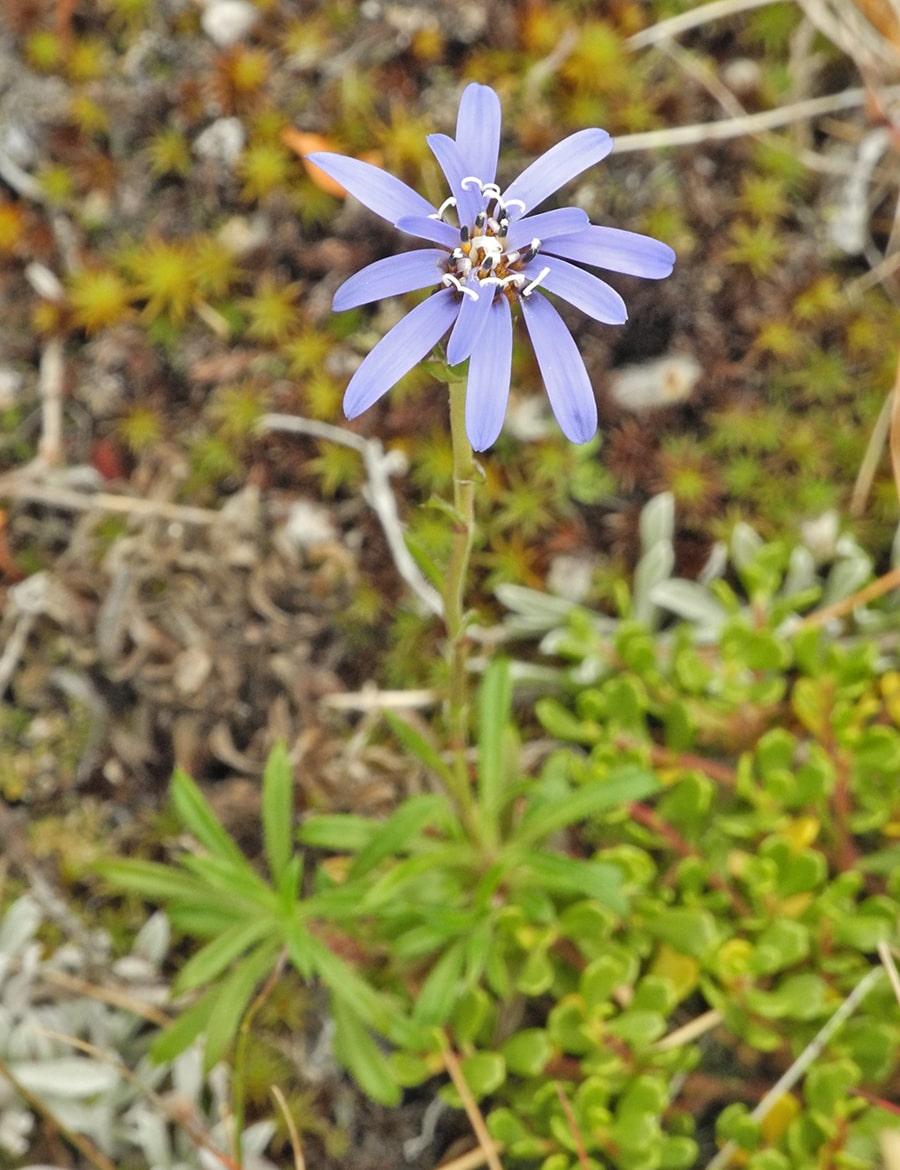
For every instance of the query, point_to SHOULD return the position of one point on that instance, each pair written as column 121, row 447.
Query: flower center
column 481, row 261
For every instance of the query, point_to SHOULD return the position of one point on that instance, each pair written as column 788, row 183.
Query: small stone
column 664, row 381
column 308, row 525
column 192, row 668
column 226, row 22
column 571, row 578
column 11, row 382
column 221, row 141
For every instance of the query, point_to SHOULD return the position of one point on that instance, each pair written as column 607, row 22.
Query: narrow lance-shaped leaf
column 359, row 1052
column 216, row 956
column 399, row 831
column 184, row 1030
column 439, row 993
column 620, row 788
column 232, row 999
column 376, row 1010
column 277, row 810
column 154, row 881
column 340, row 832
column 198, row 818
column 550, row 871
column 419, row 746
column 239, row 881
column 494, row 702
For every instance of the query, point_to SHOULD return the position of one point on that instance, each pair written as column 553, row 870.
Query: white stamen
column 491, row 190
column 469, row 180
column 510, row 202
column 449, row 279
column 529, row 288
column 490, row 245
column 439, row 214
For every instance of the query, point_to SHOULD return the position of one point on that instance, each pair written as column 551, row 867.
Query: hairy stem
column 454, row 602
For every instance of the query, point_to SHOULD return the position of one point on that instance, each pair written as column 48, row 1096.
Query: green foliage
column 756, row 247
column 272, row 310
column 712, row 785
column 98, row 298
column 747, row 879
column 169, row 153
column 249, row 921
column 264, row 167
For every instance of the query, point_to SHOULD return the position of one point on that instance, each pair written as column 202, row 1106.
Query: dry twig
column 804, row 1061
column 379, row 466
column 697, row 133
column 476, row 1120
column 664, row 30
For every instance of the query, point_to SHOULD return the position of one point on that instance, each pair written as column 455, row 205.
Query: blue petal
column 487, row 390
column 478, row 130
column 426, row 227
column 582, row 289
column 557, row 166
column 567, row 382
column 382, row 193
column 390, row 277
column 399, row 350
column 617, row 251
column 565, row 221
column 469, row 200
column 470, row 322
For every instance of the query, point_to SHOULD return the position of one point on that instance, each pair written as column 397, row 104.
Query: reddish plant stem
column 650, row 819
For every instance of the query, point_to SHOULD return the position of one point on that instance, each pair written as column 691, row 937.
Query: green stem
column 454, row 603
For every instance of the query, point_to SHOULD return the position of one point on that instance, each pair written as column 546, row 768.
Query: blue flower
column 495, row 255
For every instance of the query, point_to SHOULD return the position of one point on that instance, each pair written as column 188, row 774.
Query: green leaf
column 179, row 1035
column 559, row 722
column 441, row 990
column 688, row 930
column 398, row 831
column 494, row 703
column 154, row 881
column 206, row 919
column 483, row 1072
column 414, row 869
column 357, row 1050
column 473, row 1011
column 571, row 875
column 198, row 818
column 373, row 1008
column 528, row 1052
column 278, row 810
column 619, row 788
column 240, row 882
column 426, row 563
column 289, row 883
column 338, row 832
column 212, row 960
column 638, row 1029
column 601, row 978
column 419, row 746
column 232, row 999
column 782, row 944
column 829, row 1086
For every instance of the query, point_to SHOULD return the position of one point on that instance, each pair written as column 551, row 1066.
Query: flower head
column 496, row 254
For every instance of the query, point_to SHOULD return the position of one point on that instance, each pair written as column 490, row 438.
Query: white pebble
column 661, row 382
column 226, row 22
column 221, row 141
